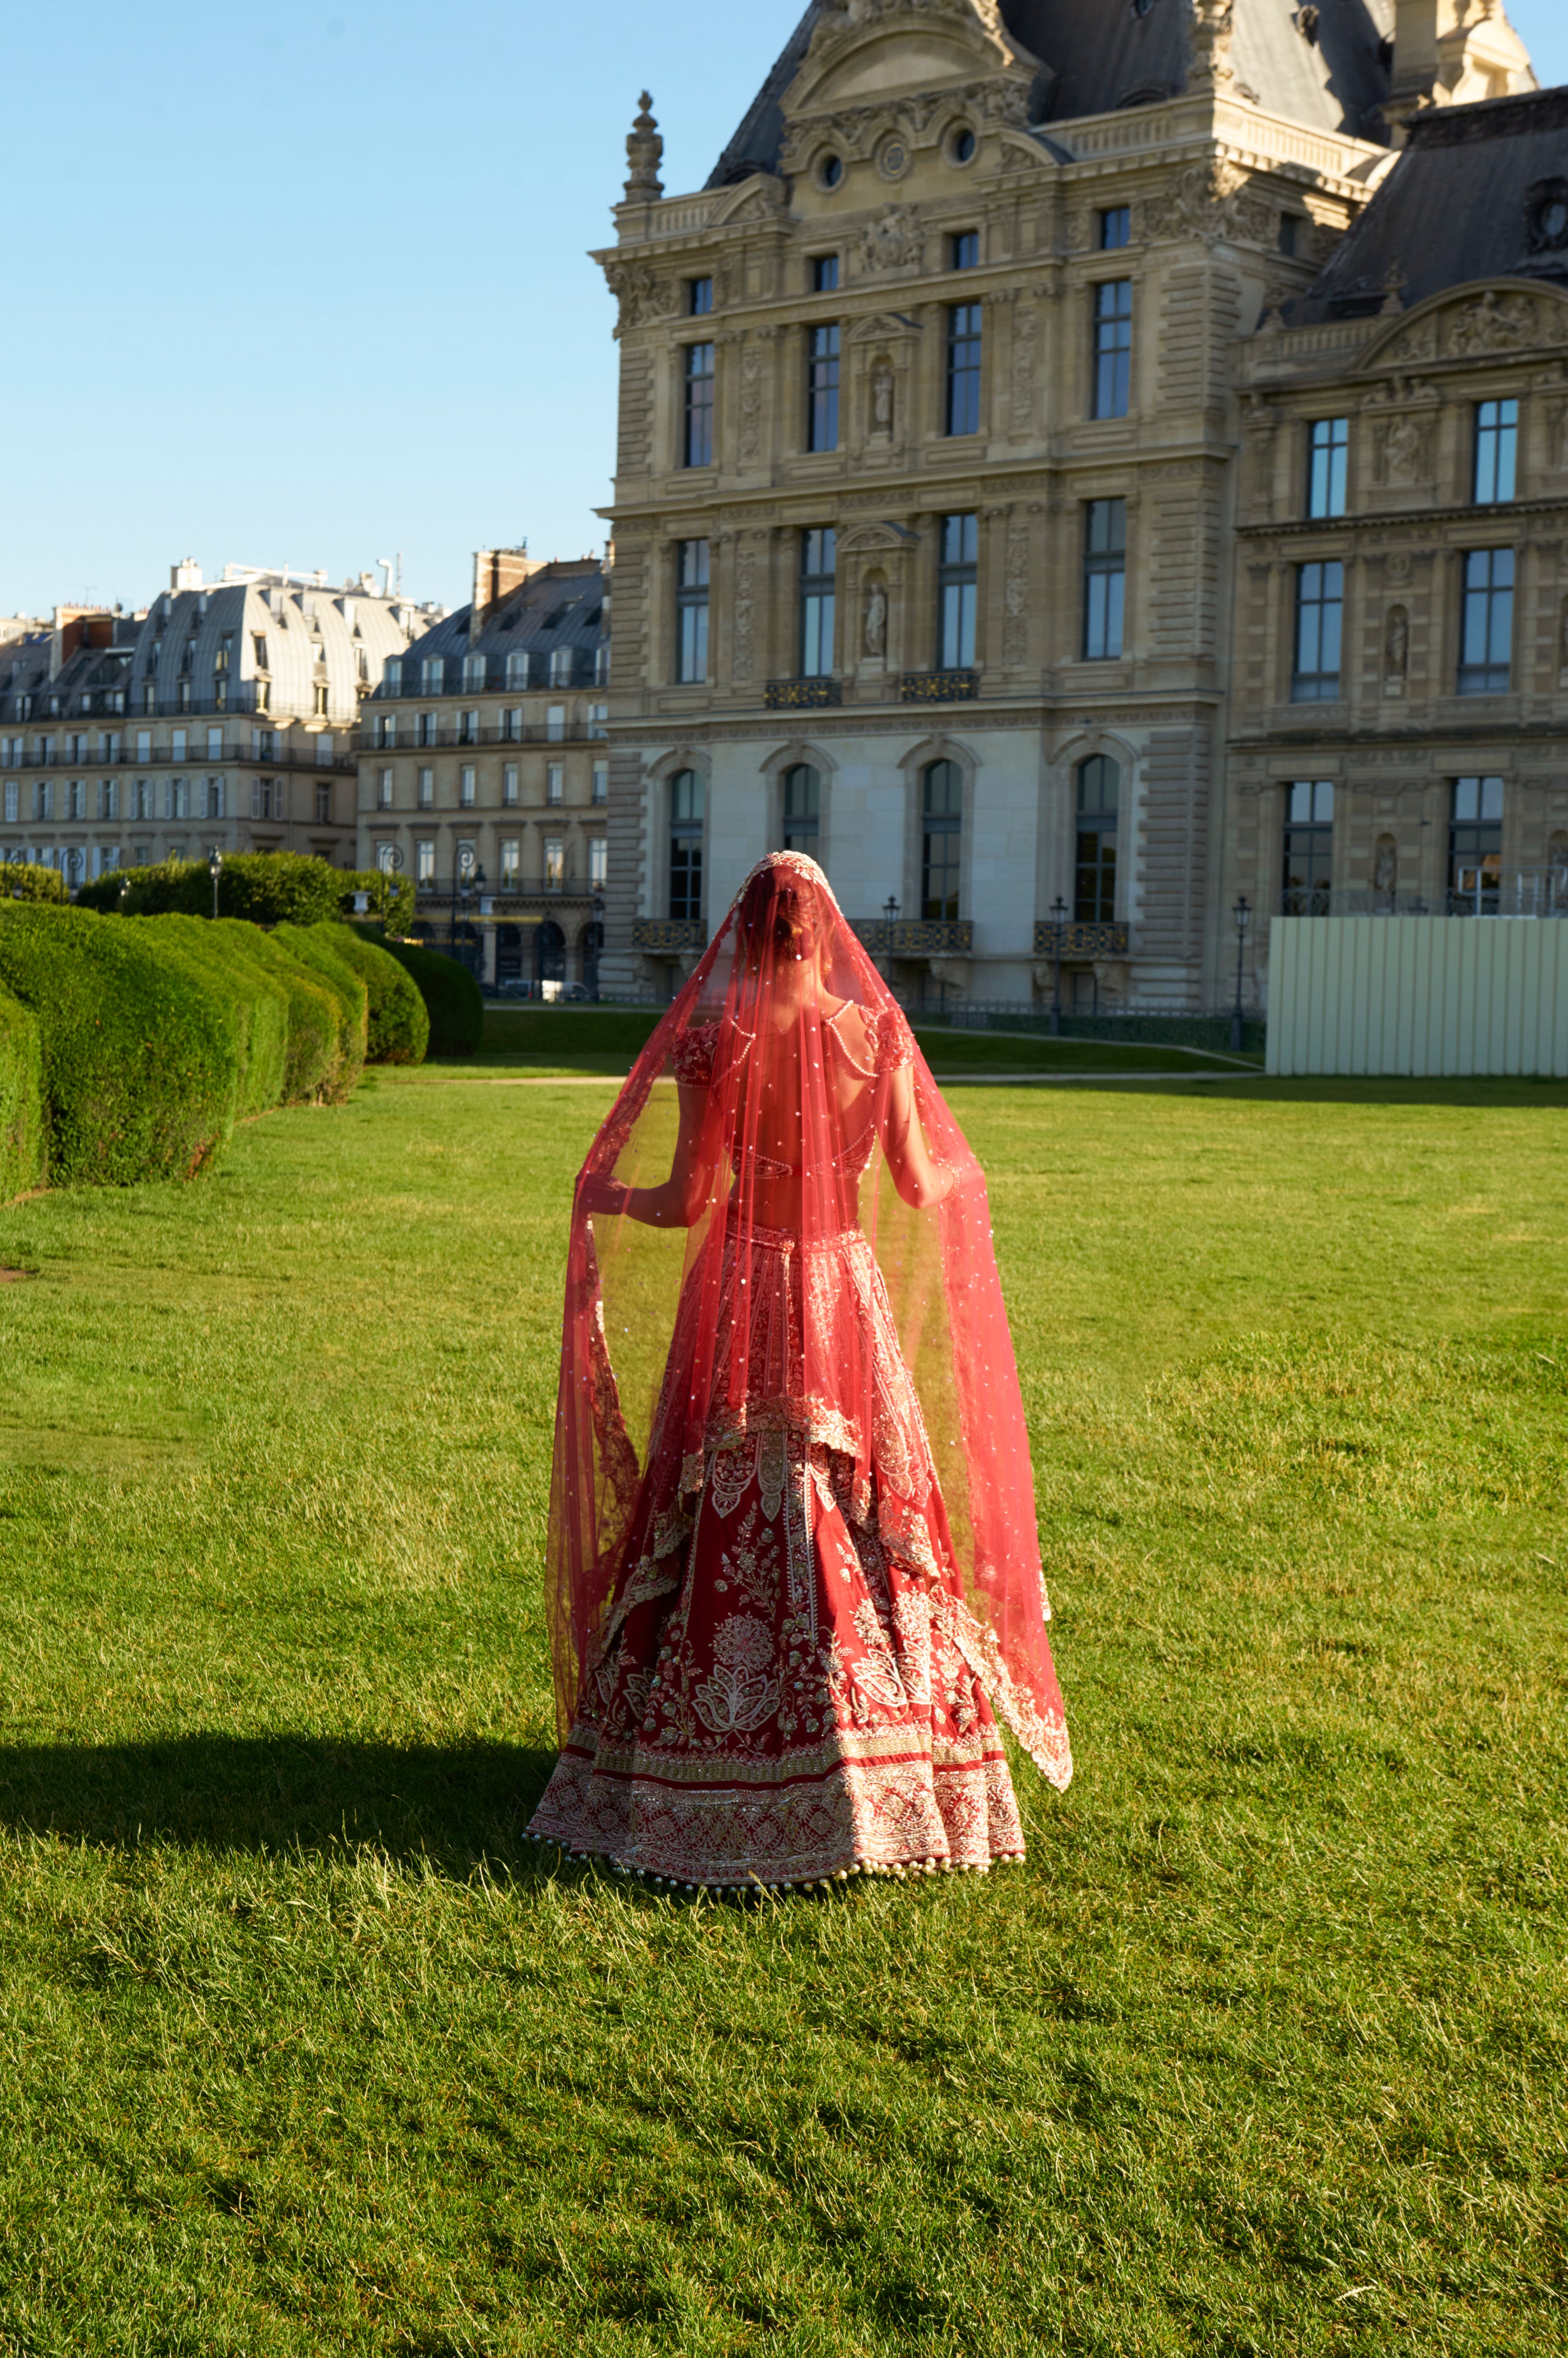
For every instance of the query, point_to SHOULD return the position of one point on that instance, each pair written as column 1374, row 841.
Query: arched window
column 549, row 953
column 685, row 844
column 802, row 809
column 942, row 785
column 1100, row 794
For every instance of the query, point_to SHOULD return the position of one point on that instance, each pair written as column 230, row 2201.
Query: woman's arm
column 679, row 1203
column 919, row 1180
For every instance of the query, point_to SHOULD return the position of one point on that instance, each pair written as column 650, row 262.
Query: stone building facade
column 927, row 478
column 484, row 772
column 219, row 717
column 1399, row 711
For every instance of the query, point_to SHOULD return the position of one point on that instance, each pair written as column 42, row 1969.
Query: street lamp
column 1242, row 915
column 1059, row 919
column 596, row 906
column 214, row 869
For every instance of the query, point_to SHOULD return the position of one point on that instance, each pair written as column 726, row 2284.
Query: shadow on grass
column 451, row 1804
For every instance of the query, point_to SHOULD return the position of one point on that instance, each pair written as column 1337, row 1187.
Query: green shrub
column 391, row 898
column 270, row 888
column 399, row 1031
column 221, row 956
column 306, row 944
column 21, row 1100
column 310, row 1068
column 21, row 880
column 451, row 997
column 140, row 1068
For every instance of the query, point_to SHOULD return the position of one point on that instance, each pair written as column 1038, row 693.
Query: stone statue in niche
column 1403, row 451
column 876, row 628
column 882, row 401
column 1386, row 869
column 1396, row 651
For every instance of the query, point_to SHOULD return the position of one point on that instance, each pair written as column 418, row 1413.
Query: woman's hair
column 778, row 912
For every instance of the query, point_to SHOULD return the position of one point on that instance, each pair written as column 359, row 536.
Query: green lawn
column 303, row 2051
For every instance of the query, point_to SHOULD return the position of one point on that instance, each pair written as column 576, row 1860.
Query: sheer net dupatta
column 780, row 1232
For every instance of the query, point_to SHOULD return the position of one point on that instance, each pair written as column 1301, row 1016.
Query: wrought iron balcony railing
column 800, row 695
column 939, row 687
column 1081, row 939
column 1476, row 893
column 194, row 758
column 916, row 936
column 408, row 739
column 468, row 894
column 666, row 934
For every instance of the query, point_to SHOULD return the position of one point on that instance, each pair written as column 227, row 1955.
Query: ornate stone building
column 1399, row 711
column 219, row 717
column 927, row 473
column 484, row 772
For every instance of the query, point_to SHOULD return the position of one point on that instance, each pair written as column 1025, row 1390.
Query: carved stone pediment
column 759, row 198
column 1481, row 323
column 884, row 328
column 881, row 536
column 869, row 51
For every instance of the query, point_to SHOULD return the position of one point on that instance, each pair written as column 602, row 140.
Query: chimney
column 185, row 577
column 1450, row 53
column 497, row 572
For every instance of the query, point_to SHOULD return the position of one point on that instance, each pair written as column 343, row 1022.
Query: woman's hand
column 601, row 1193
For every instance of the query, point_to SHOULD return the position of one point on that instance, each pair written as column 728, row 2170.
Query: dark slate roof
column 559, row 606
column 1098, row 55
column 1456, row 207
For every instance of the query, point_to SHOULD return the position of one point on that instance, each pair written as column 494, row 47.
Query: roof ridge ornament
column 644, row 153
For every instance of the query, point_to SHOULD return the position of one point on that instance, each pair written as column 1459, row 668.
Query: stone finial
column 1213, row 25
column 1394, row 285
column 644, row 153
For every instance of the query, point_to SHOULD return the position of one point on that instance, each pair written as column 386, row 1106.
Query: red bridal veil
column 777, row 1115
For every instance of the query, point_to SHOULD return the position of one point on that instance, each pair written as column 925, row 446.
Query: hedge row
column 22, row 880
column 270, row 888
column 449, row 991
column 129, row 1050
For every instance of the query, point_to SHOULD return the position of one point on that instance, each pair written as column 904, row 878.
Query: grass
column 302, row 2048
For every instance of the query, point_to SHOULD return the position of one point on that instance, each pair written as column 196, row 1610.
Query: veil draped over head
column 790, row 1077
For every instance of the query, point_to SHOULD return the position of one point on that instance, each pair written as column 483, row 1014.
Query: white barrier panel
column 1419, row 995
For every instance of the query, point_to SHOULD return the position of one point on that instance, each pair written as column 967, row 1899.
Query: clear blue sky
column 307, row 284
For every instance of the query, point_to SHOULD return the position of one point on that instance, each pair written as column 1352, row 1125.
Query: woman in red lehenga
column 780, row 1642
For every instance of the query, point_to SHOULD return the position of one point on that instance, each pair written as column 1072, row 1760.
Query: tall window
column 964, row 368
column 957, row 581
column 1309, row 848
column 1115, row 228
column 555, row 863
column 685, row 844
column 1104, row 579
column 1329, row 452
column 1094, row 882
column 426, row 789
column 554, row 782
column 383, row 791
column 967, row 250
column 941, row 795
column 435, row 675
column 425, row 862
column 691, row 609
column 824, row 274
column 467, row 786
column 1497, row 452
column 698, row 406
column 323, row 805
column 1113, row 348
column 601, row 782
column 699, row 297
column 1319, row 628
column 817, row 561
column 1486, row 639
column 509, row 786
column 822, row 388
column 511, row 861
column 1476, row 847
column 599, row 861
column 802, row 809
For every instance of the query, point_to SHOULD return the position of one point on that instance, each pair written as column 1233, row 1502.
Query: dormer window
column 258, row 646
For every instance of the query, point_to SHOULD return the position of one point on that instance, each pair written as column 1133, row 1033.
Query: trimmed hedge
column 450, row 994
column 306, row 943
column 24, row 880
column 140, row 1064
column 269, row 888
column 310, row 1065
column 220, row 955
column 21, row 1100
column 399, row 1029
column 391, row 898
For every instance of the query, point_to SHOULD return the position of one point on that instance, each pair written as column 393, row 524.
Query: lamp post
column 1242, row 916
column 214, row 869
column 1059, row 919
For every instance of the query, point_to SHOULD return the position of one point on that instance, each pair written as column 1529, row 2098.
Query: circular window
column 1555, row 221
column 963, row 144
column 831, row 171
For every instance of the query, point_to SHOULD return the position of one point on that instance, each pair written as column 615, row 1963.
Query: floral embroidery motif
column 739, row 1694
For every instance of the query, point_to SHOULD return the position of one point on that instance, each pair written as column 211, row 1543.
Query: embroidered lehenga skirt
column 788, row 1686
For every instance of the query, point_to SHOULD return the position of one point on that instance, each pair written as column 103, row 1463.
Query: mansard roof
column 1470, row 197
column 560, row 605
column 1099, row 56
